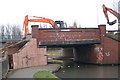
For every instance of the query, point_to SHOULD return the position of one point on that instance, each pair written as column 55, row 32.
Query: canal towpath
column 29, row 72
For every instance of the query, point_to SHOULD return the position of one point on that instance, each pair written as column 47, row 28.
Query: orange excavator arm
column 105, row 10
column 39, row 19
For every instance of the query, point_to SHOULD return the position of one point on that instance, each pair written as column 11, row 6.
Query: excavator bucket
column 112, row 23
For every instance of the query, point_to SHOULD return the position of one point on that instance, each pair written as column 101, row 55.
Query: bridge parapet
column 66, row 34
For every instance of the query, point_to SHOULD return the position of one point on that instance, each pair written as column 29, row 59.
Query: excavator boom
column 105, row 10
column 114, row 13
column 40, row 19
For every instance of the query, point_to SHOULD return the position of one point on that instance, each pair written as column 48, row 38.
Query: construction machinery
column 55, row 24
column 105, row 10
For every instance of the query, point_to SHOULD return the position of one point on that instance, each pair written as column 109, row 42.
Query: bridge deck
column 69, row 42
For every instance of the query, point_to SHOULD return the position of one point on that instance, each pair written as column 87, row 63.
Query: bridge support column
column 75, row 54
column 35, row 33
column 102, row 33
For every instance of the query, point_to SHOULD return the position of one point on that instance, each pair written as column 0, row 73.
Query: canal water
column 71, row 69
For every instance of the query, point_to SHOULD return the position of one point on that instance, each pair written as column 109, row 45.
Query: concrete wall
column 0, row 69
column 4, row 66
column 30, row 55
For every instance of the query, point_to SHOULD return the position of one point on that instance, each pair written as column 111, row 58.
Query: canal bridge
column 90, row 45
column 66, row 36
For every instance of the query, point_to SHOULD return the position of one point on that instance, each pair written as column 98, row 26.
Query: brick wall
column 111, row 50
column 110, row 47
column 107, row 52
column 64, row 34
column 30, row 55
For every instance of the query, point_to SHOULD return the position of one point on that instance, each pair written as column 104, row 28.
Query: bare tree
column 40, row 25
column 75, row 24
column 10, row 31
column 2, row 31
column 79, row 25
column 16, row 32
column 115, row 6
column 118, row 6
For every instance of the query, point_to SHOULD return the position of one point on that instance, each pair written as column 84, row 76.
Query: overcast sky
column 87, row 13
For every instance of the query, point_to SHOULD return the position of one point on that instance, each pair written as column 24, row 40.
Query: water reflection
column 69, row 69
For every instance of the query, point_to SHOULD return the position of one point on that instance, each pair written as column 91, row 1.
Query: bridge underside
column 68, row 43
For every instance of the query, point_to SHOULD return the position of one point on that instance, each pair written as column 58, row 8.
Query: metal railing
column 10, row 37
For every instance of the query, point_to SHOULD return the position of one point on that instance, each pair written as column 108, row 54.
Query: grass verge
column 45, row 75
